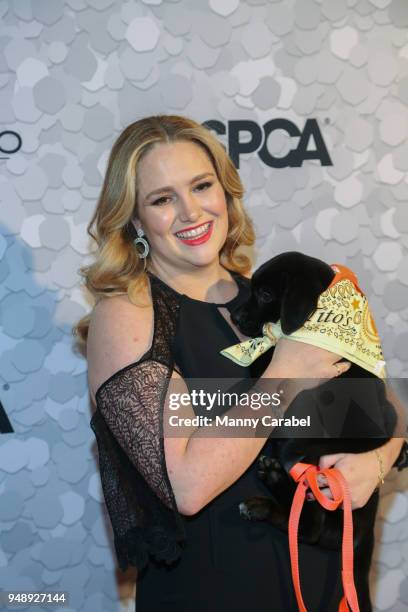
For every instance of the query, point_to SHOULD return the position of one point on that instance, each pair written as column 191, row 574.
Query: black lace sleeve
column 128, row 426
column 138, row 494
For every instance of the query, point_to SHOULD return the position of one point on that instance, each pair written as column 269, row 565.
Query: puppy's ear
column 298, row 302
column 305, row 281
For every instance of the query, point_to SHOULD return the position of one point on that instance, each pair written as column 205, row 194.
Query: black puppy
column 286, row 288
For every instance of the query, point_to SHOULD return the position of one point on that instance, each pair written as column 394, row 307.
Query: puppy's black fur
column 357, row 416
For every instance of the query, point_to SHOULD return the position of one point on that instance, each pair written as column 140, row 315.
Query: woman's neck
column 206, row 283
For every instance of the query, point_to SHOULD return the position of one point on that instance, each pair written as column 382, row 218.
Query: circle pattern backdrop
column 73, row 74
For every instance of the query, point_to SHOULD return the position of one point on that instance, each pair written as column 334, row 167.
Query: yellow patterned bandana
column 342, row 323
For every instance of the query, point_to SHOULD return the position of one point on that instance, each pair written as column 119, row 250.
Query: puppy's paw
column 269, row 469
column 255, row 508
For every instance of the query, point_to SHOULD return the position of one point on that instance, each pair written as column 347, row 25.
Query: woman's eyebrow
column 169, row 187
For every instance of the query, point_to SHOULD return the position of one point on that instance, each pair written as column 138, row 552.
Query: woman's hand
column 292, row 359
column 360, row 470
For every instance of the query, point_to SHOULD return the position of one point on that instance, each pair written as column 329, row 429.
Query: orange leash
column 305, row 474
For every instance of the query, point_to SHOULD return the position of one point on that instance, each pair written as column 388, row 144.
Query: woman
column 168, row 225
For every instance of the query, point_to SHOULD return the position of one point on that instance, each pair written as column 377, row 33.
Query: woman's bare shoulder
column 120, row 332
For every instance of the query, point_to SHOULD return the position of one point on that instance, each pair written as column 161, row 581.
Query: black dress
column 230, row 564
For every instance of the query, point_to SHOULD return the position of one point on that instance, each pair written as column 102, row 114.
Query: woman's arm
column 199, row 467
column 207, row 460
column 362, row 471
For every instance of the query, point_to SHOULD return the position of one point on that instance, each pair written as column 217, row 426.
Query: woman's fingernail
column 318, row 468
column 309, row 496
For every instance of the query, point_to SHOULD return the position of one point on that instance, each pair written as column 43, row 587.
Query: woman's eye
column 164, row 199
column 159, row 201
column 206, row 185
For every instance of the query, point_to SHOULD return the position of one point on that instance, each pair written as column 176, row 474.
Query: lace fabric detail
column 128, row 426
column 130, row 404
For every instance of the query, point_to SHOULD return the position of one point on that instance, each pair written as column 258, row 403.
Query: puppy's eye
column 264, row 294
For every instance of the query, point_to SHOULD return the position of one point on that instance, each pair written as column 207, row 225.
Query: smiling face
column 185, row 219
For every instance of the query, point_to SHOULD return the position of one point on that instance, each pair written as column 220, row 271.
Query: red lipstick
column 197, row 240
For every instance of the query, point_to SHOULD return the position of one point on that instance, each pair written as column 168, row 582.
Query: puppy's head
column 286, row 287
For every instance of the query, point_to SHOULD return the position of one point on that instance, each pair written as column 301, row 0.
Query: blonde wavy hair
column 117, row 268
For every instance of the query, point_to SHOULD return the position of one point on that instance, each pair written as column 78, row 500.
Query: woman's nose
column 190, row 210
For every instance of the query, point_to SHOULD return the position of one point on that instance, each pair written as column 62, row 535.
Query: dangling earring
column 143, row 242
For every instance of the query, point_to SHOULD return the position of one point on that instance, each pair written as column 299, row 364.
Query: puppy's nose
column 239, row 316
column 249, row 329
column 245, row 319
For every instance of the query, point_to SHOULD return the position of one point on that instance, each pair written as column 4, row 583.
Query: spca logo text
column 309, row 138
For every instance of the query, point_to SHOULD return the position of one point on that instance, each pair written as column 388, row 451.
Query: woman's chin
column 204, row 260
column 201, row 255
